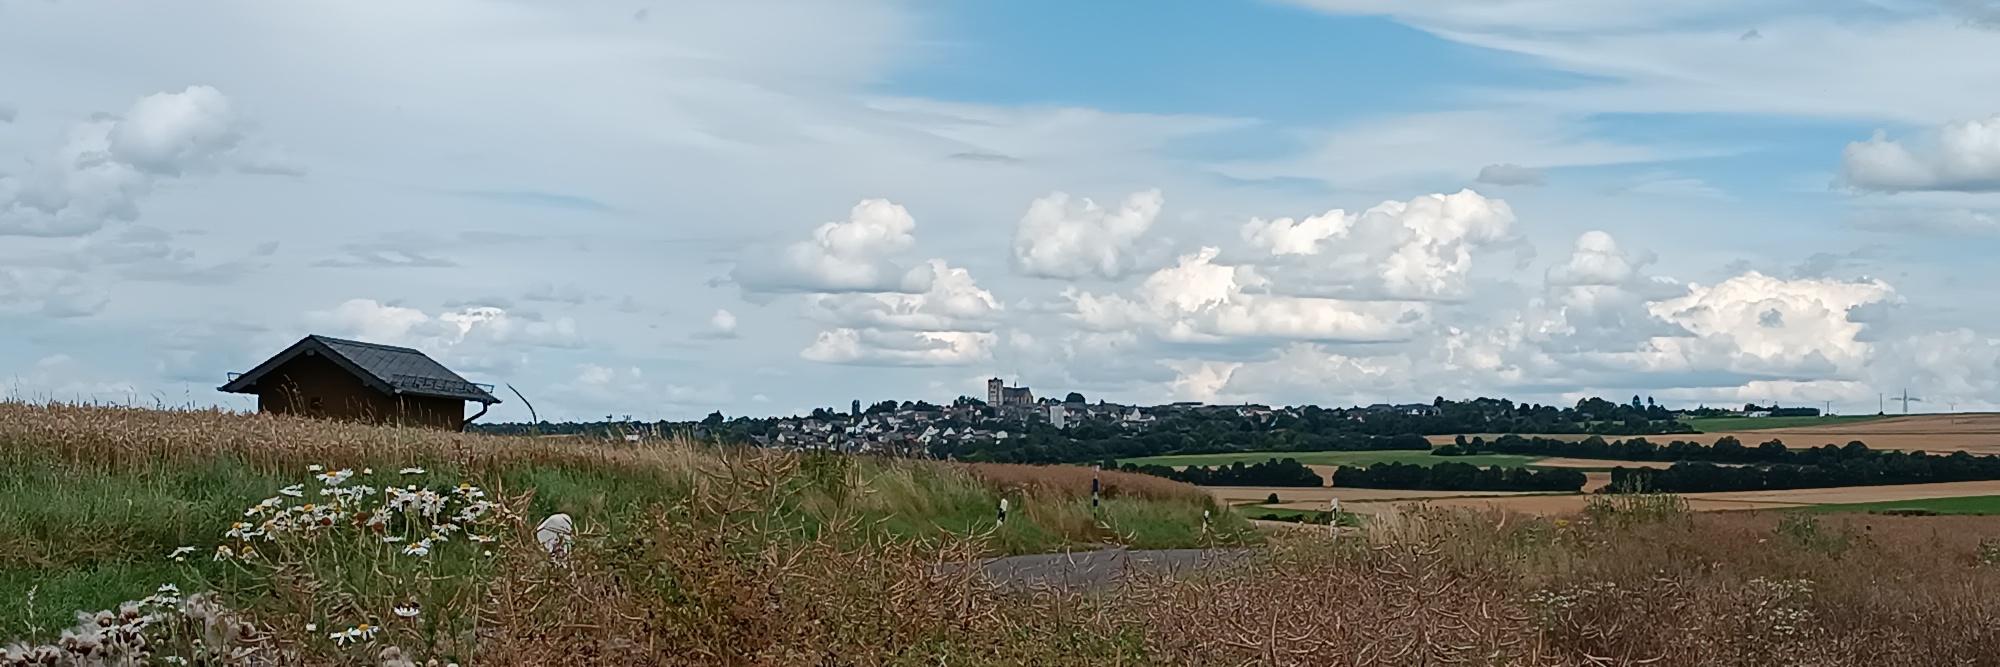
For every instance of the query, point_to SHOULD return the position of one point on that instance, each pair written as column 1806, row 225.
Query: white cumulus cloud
column 1759, row 323
column 482, row 337
column 870, row 347
column 1960, row 156
column 107, row 164
column 853, row 255
column 1421, row 249
column 1065, row 237
column 954, row 302
column 1199, row 300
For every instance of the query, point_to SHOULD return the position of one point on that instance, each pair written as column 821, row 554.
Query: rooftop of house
column 386, row 368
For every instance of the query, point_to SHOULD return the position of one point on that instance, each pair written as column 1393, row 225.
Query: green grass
column 1970, row 505
column 1725, row 424
column 1418, row 457
column 87, row 540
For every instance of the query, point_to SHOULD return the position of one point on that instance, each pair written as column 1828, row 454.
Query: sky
column 666, row 209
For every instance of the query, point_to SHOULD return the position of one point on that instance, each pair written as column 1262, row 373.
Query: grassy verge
column 1335, row 458
column 1728, row 424
column 93, row 501
column 1968, row 505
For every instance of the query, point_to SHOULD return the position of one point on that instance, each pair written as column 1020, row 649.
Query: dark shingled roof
column 387, row 368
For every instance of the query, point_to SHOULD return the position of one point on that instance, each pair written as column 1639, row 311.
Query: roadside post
column 1003, row 513
column 1333, row 516
column 1096, row 485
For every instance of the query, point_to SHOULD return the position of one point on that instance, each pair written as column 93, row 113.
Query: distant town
column 1012, row 424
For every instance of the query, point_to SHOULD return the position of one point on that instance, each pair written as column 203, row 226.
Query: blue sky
column 765, row 207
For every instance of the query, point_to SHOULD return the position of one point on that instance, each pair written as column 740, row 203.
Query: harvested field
column 1305, row 497
column 1976, row 432
column 1862, row 494
column 1700, row 502
column 1546, row 505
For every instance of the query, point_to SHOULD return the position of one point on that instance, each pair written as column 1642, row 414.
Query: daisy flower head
column 335, row 477
column 315, row 468
column 413, row 470
column 179, row 554
column 407, row 610
column 419, row 548
column 295, row 490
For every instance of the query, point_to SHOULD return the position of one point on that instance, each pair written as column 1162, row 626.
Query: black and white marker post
column 1096, row 484
column 1003, row 512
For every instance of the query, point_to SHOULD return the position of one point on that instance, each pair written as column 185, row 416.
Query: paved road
column 1094, row 569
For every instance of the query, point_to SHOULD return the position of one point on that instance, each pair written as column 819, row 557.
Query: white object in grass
column 555, row 534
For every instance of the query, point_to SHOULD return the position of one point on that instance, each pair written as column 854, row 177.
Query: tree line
column 1454, row 476
column 1727, row 449
column 1273, row 472
column 1883, row 468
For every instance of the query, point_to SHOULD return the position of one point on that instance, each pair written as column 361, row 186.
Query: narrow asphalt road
column 1095, row 569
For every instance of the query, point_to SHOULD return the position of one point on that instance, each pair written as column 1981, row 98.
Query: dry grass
column 1070, row 479
column 1453, row 587
column 727, row 572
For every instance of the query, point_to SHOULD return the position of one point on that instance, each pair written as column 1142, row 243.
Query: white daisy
column 295, row 490
column 411, row 471
column 419, row 548
column 410, row 610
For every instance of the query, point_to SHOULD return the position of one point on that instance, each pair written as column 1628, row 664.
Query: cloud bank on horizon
column 773, row 206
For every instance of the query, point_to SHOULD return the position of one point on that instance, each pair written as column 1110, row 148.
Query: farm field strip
column 1306, row 497
column 1705, row 502
column 1968, row 505
column 1707, row 424
column 1360, row 458
column 1978, row 433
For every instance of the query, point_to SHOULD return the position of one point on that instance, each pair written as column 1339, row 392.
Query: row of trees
column 1725, row 450
column 1453, row 476
column 1774, row 410
column 1883, row 468
column 1040, row 443
column 1274, row 472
